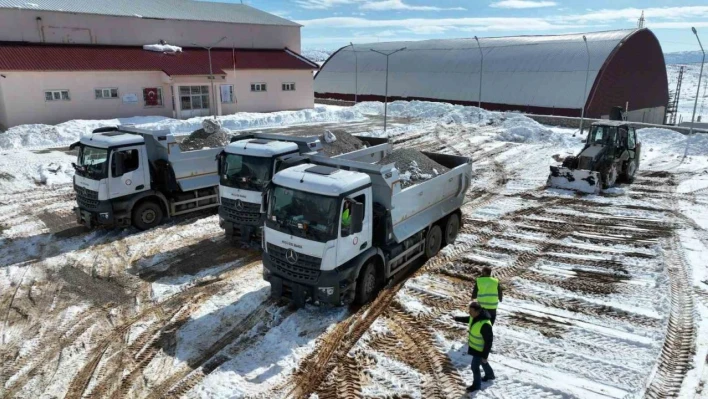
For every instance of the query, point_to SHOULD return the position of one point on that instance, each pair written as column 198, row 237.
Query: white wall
column 56, row 27
column 274, row 99
column 25, row 102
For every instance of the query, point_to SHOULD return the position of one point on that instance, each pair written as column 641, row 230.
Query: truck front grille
column 248, row 213
column 305, row 269
column 87, row 199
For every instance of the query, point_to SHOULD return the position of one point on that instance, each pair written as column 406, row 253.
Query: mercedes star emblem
column 291, row 256
column 239, row 205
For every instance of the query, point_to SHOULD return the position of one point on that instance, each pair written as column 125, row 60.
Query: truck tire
column 609, row 176
column 367, row 286
column 452, row 227
column 629, row 171
column 433, row 241
column 147, row 215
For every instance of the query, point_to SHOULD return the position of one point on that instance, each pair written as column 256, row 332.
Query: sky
column 330, row 24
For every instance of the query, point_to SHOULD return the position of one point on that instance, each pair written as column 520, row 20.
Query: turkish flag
column 150, row 95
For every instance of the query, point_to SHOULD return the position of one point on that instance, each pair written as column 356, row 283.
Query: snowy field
column 605, row 296
column 688, row 91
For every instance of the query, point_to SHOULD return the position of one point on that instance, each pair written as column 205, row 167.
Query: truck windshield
column 303, row 214
column 92, row 162
column 245, row 172
column 602, row 134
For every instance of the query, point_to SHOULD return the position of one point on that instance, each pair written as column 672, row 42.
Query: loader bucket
column 582, row 180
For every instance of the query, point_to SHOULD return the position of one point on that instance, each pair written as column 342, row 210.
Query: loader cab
column 111, row 163
column 614, row 135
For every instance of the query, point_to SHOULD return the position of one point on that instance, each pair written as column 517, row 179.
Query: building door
column 194, row 101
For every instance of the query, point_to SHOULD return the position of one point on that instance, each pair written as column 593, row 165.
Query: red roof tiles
column 192, row 61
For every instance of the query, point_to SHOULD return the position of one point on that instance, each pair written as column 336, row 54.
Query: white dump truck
column 127, row 176
column 248, row 164
column 337, row 230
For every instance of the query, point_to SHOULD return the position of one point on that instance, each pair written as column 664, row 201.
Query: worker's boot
column 485, row 378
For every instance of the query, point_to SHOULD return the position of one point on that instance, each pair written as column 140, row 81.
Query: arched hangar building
column 533, row 74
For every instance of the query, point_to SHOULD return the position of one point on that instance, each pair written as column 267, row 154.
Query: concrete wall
column 25, row 102
column 57, row 27
column 647, row 115
column 274, row 99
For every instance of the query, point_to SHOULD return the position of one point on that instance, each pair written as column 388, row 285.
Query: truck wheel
column 147, row 215
column 452, row 227
column 367, row 286
column 609, row 176
column 629, row 171
column 433, row 241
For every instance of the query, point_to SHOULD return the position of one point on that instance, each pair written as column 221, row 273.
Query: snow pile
column 518, row 128
column 438, row 111
column 39, row 136
column 654, row 139
column 25, row 170
column 162, row 48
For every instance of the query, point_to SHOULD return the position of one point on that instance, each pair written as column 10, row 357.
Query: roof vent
column 259, row 141
column 322, row 170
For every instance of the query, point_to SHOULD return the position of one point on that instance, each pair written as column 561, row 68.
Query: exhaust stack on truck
column 337, row 229
column 127, row 176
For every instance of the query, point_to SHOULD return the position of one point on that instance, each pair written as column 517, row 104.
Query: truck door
column 128, row 171
column 351, row 243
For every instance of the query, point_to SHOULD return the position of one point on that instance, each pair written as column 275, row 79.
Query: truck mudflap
column 581, row 180
column 334, row 287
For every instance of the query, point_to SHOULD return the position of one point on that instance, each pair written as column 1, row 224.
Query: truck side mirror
column 357, row 217
column 119, row 161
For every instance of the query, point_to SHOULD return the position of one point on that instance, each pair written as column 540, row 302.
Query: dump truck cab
column 611, row 154
column 246, row 166
column 128, row 176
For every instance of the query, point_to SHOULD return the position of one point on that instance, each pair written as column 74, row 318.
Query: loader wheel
column 367, row 286
column 433, row 241
column 570, row 162
column 609, row 176
column 629, row 171
column 452, row 227
column 147, row 215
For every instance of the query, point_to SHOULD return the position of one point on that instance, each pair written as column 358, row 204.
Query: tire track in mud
column 189, row 375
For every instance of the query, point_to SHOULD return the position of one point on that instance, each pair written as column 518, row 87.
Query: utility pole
column 386, row 94
column 585, row 89
column 211, row 72
column 481, row 70
column 356, row 74
column 698, row 92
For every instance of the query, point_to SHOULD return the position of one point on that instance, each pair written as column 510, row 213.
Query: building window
column 258, row 87
column 152, row 96
column 106, row 93
column 288, row 86
column 227, row 94
column 56, row 95
column 194, row 97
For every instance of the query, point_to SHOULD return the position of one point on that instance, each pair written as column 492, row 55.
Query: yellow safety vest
column 475, row 339
column 346, row 218
column 488, row 292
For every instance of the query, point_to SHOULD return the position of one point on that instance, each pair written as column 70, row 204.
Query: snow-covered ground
column 605, row 296
column 688, row 91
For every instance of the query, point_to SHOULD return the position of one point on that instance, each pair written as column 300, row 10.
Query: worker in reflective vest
column 488, row 292
column 479, row 343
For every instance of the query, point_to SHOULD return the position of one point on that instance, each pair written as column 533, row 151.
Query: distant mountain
column 316, row 55
column 683, row 57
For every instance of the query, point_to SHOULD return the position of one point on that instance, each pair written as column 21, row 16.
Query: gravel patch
column 413, row 166
column 345, row 142
column 200, row 139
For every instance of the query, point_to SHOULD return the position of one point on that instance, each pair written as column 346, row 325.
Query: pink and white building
column 65, row 59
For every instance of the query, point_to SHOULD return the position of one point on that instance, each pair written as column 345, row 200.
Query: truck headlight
column 103, row 215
